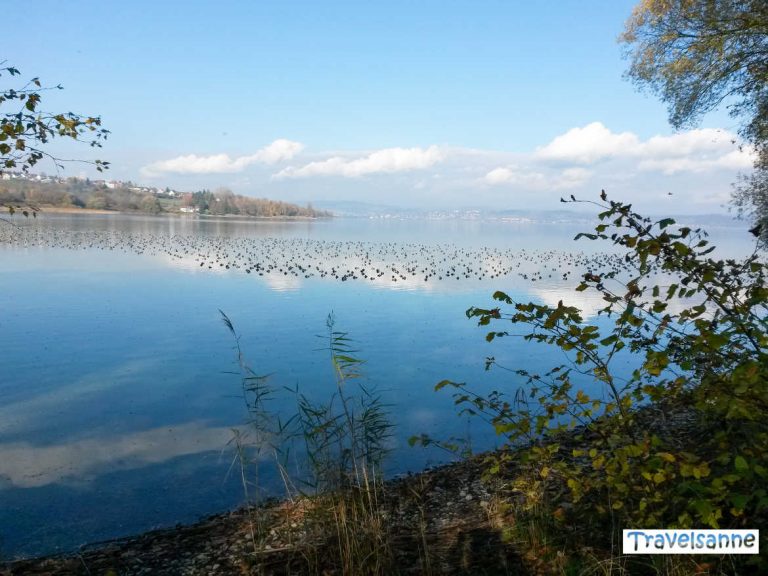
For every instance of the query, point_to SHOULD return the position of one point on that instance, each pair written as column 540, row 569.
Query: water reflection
column 588, row 302
column 117, row 399
column 284, row 263
column 591, row 302
column 24, row 410
column 24, row 465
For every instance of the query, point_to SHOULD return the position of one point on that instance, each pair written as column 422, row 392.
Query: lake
column 119, row 392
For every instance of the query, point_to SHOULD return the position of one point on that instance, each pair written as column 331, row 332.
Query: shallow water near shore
column 118, row 392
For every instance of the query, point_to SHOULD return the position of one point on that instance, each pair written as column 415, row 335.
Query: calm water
column 117, row 398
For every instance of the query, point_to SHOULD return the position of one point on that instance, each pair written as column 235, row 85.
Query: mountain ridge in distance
column 358, row 209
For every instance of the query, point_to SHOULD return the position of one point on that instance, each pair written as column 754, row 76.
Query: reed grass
column 329, row 455
column 344, row 440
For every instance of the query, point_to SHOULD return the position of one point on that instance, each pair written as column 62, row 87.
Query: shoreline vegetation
column 32, row 193
column 47, row 209
column 446, row 508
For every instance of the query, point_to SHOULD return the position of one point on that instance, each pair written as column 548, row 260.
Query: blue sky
column 448, row 104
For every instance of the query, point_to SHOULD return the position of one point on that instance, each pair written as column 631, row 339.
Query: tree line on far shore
column 224, row 201
column 79, row 193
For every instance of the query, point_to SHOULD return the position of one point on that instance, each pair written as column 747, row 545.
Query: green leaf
column 443, row 383
column 666, row 222
column 739, row 501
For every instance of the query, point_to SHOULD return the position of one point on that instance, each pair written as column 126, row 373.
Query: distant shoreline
column 75, row 210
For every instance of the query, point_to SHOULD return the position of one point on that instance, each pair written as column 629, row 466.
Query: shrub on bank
column 679, row 443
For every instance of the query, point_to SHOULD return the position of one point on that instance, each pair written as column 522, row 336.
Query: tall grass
column 337, row 447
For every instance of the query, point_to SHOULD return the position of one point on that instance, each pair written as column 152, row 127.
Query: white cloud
column 512, row 175
column 698, row 150
column 386, row 161
column 589, row 144
column 736, row 159
column 573, row 177
column 533, row 180
column 704, row 162
column 700, row 141
column 278, row 151
column 739, row 159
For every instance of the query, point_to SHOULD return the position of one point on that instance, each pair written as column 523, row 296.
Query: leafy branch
column 26, row 129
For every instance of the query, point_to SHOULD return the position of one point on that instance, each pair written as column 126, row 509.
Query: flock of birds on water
column 344, row 261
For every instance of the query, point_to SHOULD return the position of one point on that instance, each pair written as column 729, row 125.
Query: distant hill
column 355, row 209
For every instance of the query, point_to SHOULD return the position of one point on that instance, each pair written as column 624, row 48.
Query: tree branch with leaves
column 657, row 416
column 698, row 55
column 26, row 129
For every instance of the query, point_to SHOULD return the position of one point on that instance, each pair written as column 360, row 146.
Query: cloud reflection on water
column 590, row 301
column 285, row 263
column 25, row 465
column 25, row 413
column 472, row 271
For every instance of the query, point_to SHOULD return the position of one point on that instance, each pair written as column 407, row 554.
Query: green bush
column 682, row 441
